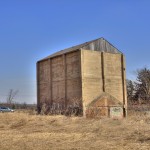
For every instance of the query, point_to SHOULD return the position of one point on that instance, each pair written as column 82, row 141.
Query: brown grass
column 26, row 131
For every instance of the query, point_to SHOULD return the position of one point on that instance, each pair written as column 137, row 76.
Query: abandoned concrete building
column 90, row 76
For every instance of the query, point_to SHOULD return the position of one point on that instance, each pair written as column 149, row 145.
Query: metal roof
column 96, row 45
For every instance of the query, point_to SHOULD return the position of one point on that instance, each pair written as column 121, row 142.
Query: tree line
column 139, row 90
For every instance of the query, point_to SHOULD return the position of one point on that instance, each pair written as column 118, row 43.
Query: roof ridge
column 108, row 47
column 92, row 41
column 112, row 45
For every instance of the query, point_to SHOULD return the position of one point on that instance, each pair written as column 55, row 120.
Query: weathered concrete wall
column 73, row 76
column 102, row 72
column 92, row 85
column 81, row 76
column 113, row 75
column 43, row 81
column 59, row 79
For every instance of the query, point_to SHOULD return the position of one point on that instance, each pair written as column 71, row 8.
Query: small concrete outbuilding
column 90, row 76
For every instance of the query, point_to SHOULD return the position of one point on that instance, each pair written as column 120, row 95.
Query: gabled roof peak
column 99, row 44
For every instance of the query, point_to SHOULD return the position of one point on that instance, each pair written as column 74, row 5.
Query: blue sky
column 33, row 29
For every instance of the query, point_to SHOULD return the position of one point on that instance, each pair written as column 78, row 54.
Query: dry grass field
column 26, row 131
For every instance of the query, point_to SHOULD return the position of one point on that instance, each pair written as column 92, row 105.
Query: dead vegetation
column 25, row 130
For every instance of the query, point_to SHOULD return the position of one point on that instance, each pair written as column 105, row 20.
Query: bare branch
column 11, row 96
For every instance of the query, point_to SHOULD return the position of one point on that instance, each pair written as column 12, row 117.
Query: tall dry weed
column 39, row 132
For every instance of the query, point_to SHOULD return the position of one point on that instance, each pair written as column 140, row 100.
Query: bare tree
column 143, row 84
column 130, row 90
column 11, row 95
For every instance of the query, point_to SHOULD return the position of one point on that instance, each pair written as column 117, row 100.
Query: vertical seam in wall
column 123, row 88
column 65, row 76
column 81, row 74
column 37, row 81
column 122, row 68
column 50, row 82
column 103, row 77
column 82, row 82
